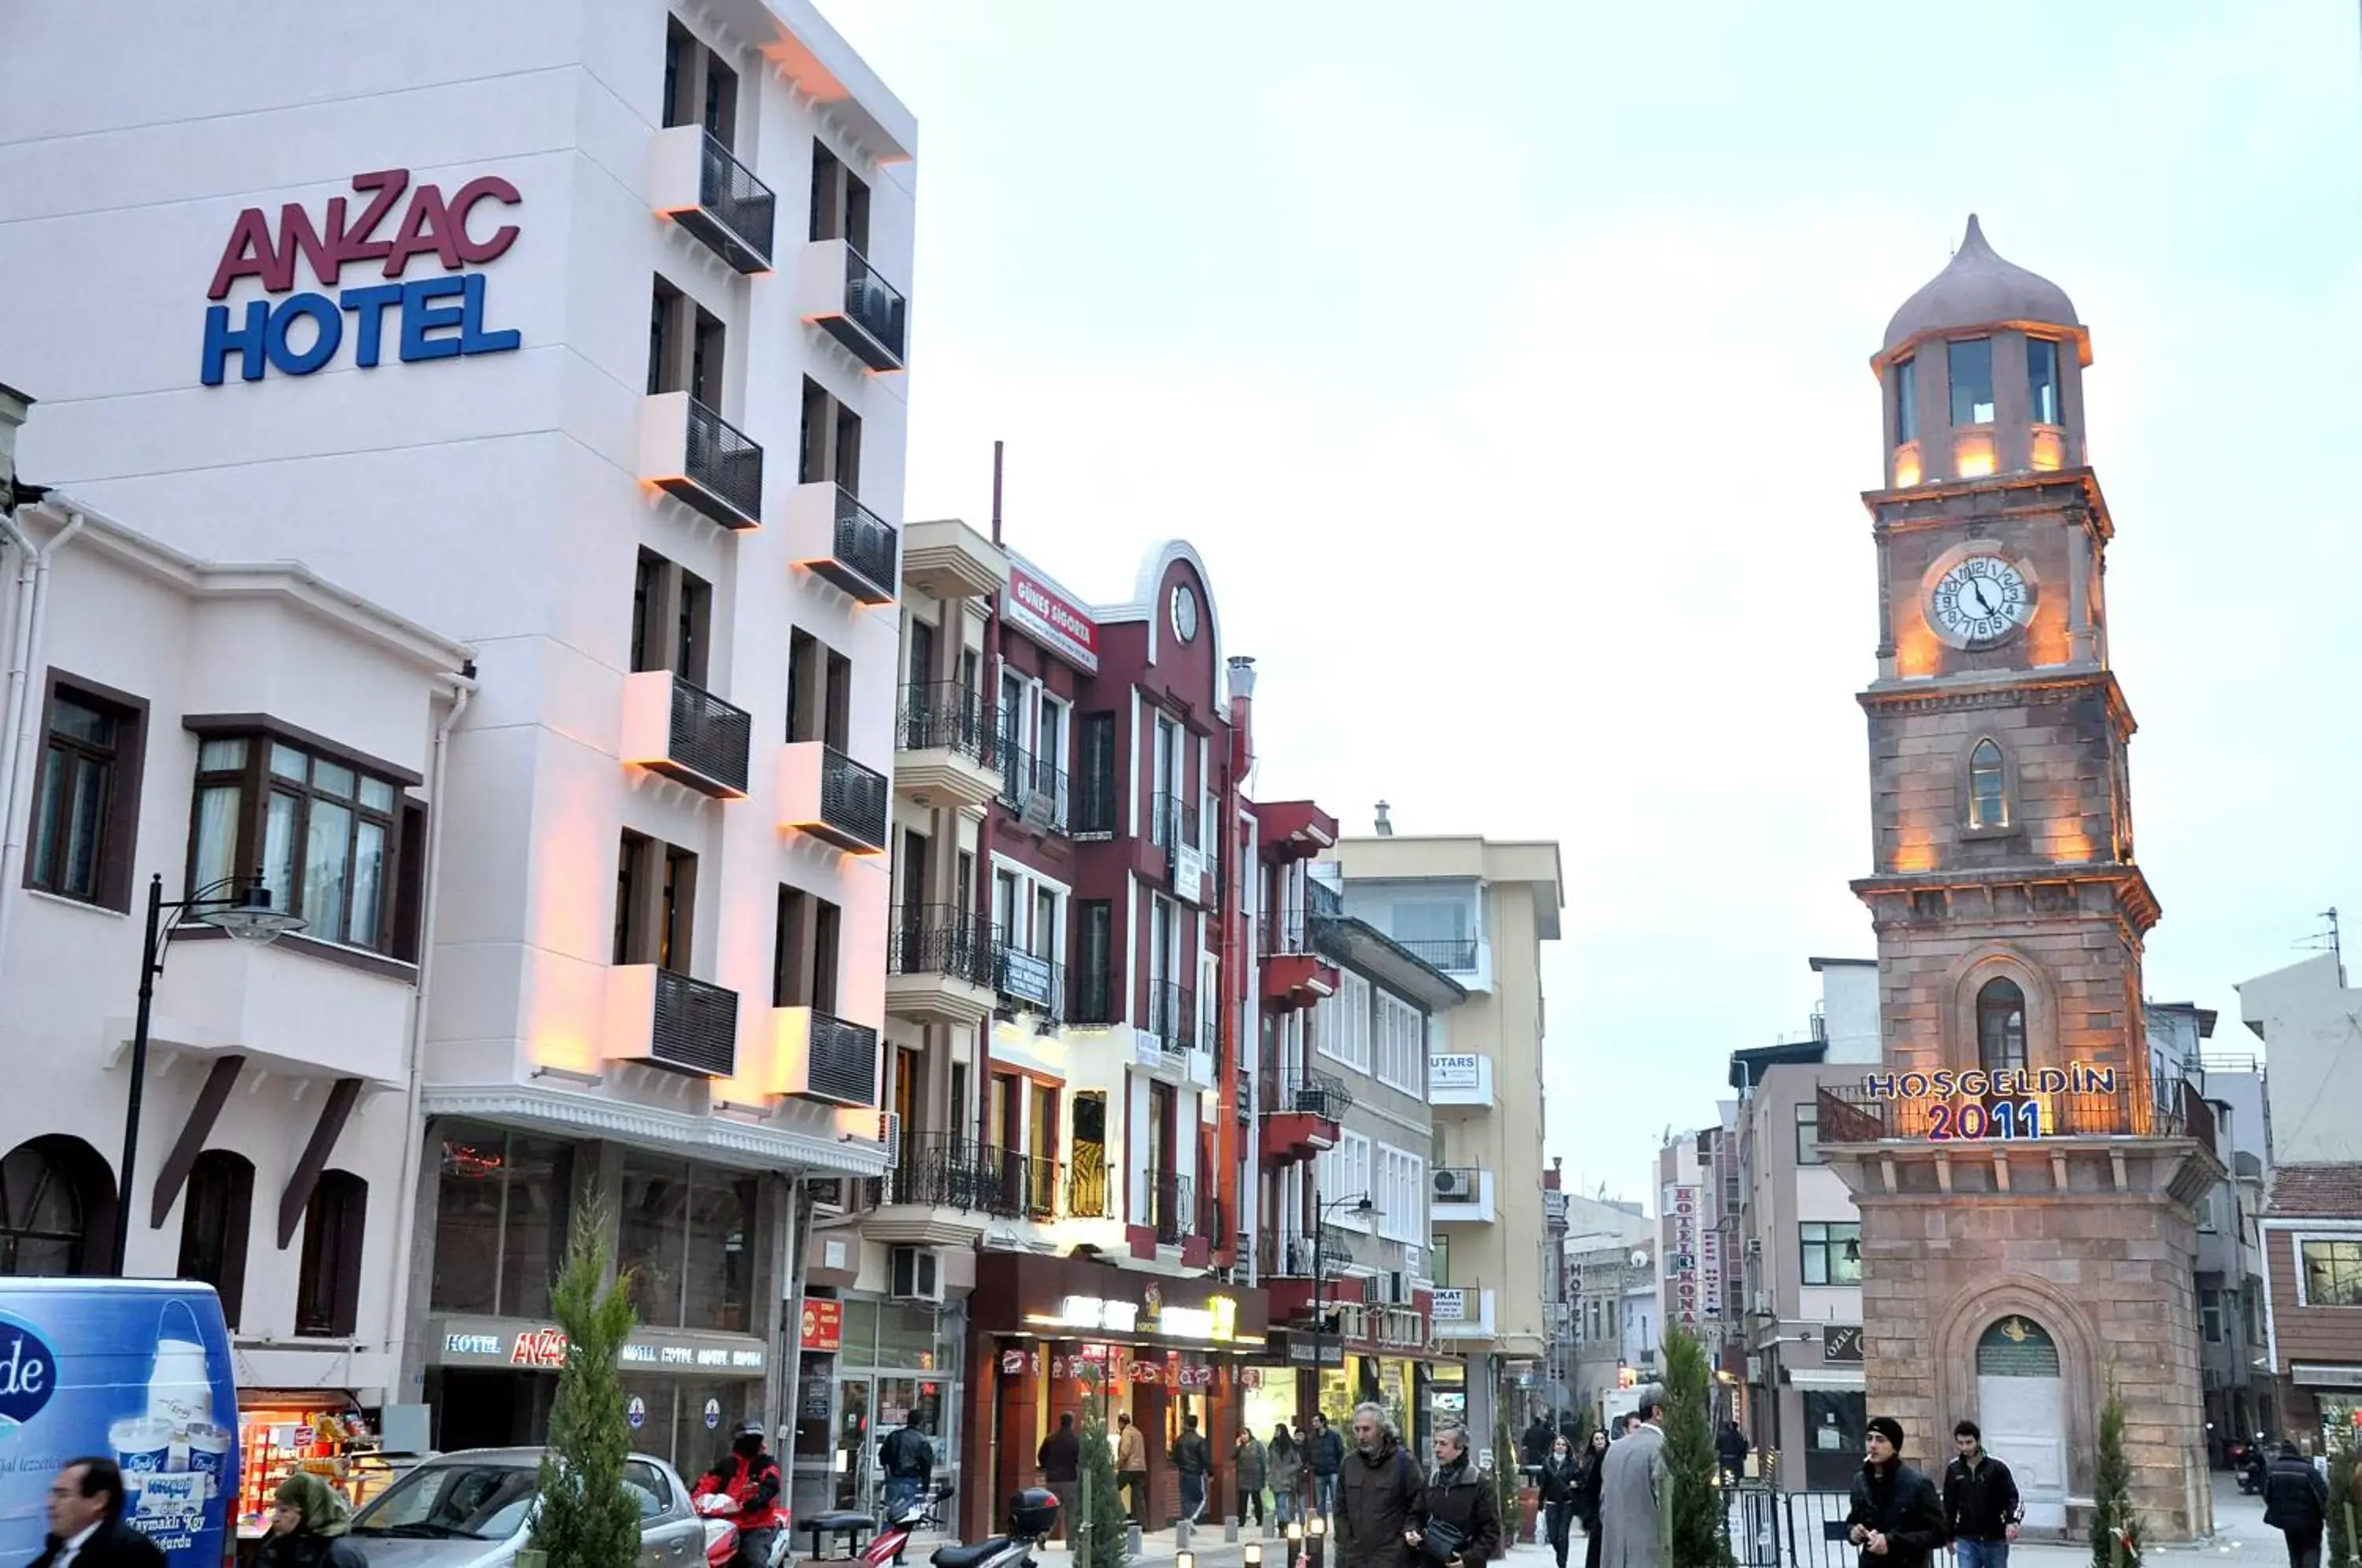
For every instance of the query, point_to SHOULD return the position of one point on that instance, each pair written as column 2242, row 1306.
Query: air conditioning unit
column 890, row 1132
column 915, row 1273
column 1374, row 1290
column 1762, row 1301
column 1457, row 1186
column 1754, row 1246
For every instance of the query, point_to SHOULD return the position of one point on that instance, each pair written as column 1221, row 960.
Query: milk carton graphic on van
column 138, row 1370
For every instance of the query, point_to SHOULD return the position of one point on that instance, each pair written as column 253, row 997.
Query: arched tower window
column 2001, row 1026
column 1988, row 791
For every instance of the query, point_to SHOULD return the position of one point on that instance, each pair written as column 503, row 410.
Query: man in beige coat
column 1631, row 1480
column 1131, row 1466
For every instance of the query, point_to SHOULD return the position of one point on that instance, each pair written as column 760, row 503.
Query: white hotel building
column 563, row 346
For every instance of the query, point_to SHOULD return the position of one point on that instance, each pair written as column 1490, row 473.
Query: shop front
column 868, row 1363
column 1379, row 1356
column 1052, row 1336
column 279, row 1432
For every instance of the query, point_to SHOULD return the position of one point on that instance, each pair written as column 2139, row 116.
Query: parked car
column 474, row 1510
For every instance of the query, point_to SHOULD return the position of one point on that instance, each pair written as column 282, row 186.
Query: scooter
column 722, row 1533
column 900, row 1524
column 1032, row 1514
column 2252, row 1464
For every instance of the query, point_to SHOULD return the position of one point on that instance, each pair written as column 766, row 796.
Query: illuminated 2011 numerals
column 2009, row 1118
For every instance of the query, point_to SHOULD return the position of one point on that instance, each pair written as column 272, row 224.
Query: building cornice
column 1946, row 694
column 2134, row 897
column 725, row 1139
column 1929, row 505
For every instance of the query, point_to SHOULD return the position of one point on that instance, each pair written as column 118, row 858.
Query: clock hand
column 1979, row 590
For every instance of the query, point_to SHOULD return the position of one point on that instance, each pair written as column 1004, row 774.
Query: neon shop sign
column 2006, row 1102
column 389, row 222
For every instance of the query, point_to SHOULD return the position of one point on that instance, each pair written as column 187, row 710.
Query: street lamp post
column 1360, row 1205
column 245, row 915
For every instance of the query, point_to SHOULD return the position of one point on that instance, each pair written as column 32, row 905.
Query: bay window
column 321, row 828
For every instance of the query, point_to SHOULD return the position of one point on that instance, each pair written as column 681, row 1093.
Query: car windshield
column 483, row 1500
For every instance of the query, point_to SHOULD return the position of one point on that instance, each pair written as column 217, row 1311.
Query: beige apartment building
column 1479, row 911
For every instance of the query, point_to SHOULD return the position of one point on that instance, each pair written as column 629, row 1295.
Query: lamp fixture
column 1184, row 1558
column 248, row 916
column 1250, row 1555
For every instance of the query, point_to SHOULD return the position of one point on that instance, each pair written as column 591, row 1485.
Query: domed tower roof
column 1978, row 289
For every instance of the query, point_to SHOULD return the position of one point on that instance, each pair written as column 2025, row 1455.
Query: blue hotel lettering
column 425, row 329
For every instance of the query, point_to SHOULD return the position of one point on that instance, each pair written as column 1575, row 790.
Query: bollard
column 1181, row 1532
column 1131, row 1540
column 1231, row 1531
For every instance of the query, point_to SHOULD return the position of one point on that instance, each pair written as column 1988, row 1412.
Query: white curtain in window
column 217, row 847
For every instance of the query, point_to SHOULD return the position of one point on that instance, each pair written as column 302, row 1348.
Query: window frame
column 112, row 874
column 2300, row 1242
column 1905, row 373
column 327, row 1305
column 1830, row 1247
column 1952, row 348
column 1390, row 1048
column 1974, row 773
column 2036, row 386
column 1808, row 1133
column 1345, row 1171
column 1982, row 1008
column 257, row 784
column 1338, row 1026
column 236, row 1173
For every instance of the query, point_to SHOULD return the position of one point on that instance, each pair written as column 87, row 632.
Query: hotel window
column 1832, row 1252
column 672, row 617
column 1971, row 361
column 830, row 452
column 2042, row 380
column 1166, row 824
column 329, row 1288
column 86, row 800
column 807, row 935
column 1988, row 791
column 2001, row 1026
column 698, row 89
column 1050, row 755
column 1401, row 1048
column 320, row 827
column 2332, row 1271
column 1906, row 401
column 503, row 1204
column 820, row 692
column 685, row 346
column 840, row 201
column 655, row 903
column 1808, row 1133
column 684, row 1231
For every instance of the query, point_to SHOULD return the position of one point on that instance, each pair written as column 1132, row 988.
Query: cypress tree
column 588, row 1519
column 1696, row 1526
column 2115, row 1528
column 2344, row 1494
column 1102, row 1533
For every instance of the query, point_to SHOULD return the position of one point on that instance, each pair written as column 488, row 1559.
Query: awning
column 1836, row 1379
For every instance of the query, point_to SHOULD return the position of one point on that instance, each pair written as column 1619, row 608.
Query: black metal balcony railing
column 1172, row 1207
column 878, row 307
column 1172, row 822
column 1028, row 979
column 843, row 1061
column 1282, row 934
column 710, row 738
column 1032, row 787
column 1095, row 802
column 1173, row 1014
column 695, row 1029
column 1453, row 956
column 944, row 1170
column 947, row 716
column 724, row 467
column 1089, row 1194
column 1090, row 996
column 864, row 552
column 1320, row 1093
column 941, row 939
column 854, row 800
column 738, row 211
column 1855, row 1115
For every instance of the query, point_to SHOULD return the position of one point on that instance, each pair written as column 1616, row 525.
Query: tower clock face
column 1982, row 600
column 1184, row 613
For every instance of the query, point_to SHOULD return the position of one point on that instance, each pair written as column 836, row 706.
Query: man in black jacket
column 1730, row 1451
column 86, row 1528
column 1981, row 1502
column 1327, row 1457
column 1193, row 1461
column 2296, row 1503
column 1896, row 1518
column 1061, row 1459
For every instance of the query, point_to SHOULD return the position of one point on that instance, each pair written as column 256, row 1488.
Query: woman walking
column 1560, row 1473
column 1284, row 1470
column 308, row 1528
column 1586, row 1494
column 1247, row 1465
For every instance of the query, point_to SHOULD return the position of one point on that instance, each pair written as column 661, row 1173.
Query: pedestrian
column 1328, row 1460
column 1460, row 1525
column 1247, row 1466
column 907, row 1456
column 1586, row 1495
column 2296, row 1504
column 1980, row 1504
column 85, row 1519
column 310, row 1526
column 1562, row 1474
column 1061, row 1459
column 1631, row 1479
column 1286, row 1474
column 1193, row 1461
column 1379, row 1493
column 749, row 1478
column 1896, row 1518
column 1730, row 1451
column 1535, row 1446
column 1131, row 1466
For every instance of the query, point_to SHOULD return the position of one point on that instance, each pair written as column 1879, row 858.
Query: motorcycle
column 898, row 1524
column 1032, row 1514
column 2252, row 1460
column 714, row 1511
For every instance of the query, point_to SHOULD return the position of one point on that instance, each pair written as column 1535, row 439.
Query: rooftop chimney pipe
column 1385, row 828
column 1242, row 677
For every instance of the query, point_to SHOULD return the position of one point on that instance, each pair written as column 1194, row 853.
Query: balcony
column 939, row 966
column 1463, row 1313
column 698, row 183
column 1453, row 956
column 838, row 291
column 1027, row 981
column 689, row 736
column 1172, row 823
column 1168, row 1207
column 1089, row 1194
column 1172, row 1015
column 827, row 794
column 1034, row 789
column 702, row 460
column 1460, row 1195
column 1306, row 1122
column 1090, row 998
column 1461, row 1079
column 267, row 1004
column 833, row 536
column 823, row 1057
column 943, row 747
column 1293, row 975
column 1098, row 807
column 667, row 1020
column 945, row 559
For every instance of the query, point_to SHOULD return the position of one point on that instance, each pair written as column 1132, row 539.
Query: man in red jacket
column 749, row 1478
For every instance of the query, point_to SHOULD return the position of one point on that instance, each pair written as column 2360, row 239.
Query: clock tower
column 2026, row 1181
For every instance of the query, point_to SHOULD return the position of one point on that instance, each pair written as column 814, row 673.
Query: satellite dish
column 1639, row 1260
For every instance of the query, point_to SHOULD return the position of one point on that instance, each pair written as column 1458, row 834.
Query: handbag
column 1440, row 1542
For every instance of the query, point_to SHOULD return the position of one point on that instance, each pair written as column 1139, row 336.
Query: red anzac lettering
column 485, row 188
column 355, row 244
column 252, row 252
column 425, row 226
column 325, row 253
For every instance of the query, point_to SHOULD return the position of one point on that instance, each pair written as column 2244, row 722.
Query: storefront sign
column 635, row 1411
column 1052, row 619
column 1012, row 1364
column 430, row 318
column 823, row 1325
column 1251, row 1377
column 712, row 1414
column 1681, row 1257
column 472, row 1345
column 1095, row 1313
column 1841, row 1342
column 1710, row 1272
column 1456, row 1070
column 1026, row 977
column 541, row 1347
column 1450, row 1306
column 1146, row 1371
column 1218, row 1319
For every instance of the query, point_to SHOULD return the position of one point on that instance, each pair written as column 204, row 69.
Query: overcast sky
column 1508, row 362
